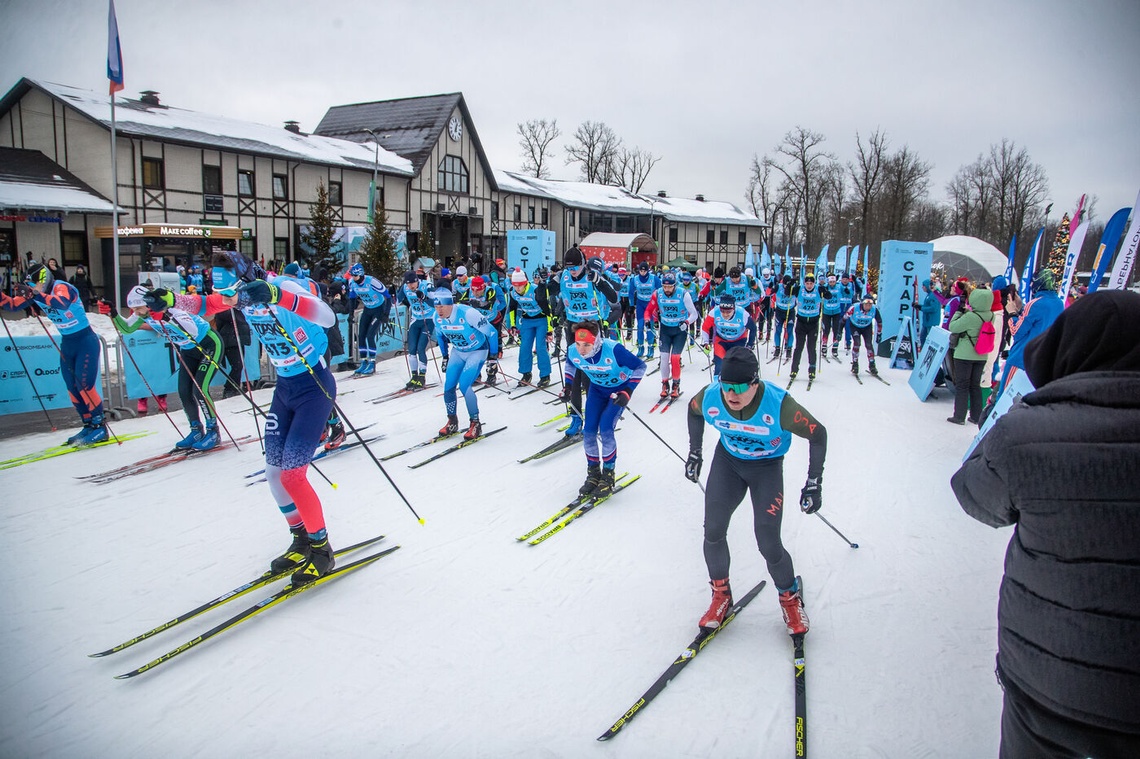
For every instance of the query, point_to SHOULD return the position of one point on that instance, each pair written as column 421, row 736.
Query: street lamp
column 375, row 171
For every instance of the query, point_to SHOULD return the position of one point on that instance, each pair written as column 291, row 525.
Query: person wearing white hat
column 530, row 315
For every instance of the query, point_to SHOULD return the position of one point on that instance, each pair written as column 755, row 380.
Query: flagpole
column 115, row 211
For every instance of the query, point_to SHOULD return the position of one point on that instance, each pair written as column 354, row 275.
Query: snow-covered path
column 465, row 643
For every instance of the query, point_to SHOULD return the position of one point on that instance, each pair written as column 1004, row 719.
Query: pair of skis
column 289, row 591
column 665, row 403
column 567, row 441
column 445, row 451
column 574, row 510
column 703, row 639
column 401, row 393
column 62, row 450
column 173, row 456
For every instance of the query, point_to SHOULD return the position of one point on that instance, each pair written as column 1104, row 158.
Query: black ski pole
column 671, row 448
column 837, row 532
column 149, row 389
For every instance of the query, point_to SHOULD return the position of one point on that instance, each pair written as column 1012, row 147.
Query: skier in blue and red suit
column 290, row 323
column 614, row 373
column 78, row 345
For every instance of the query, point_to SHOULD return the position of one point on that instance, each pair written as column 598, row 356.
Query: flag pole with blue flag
column 765, row 259
column 115, row 81
column 1026, row 287
column 1009, row 259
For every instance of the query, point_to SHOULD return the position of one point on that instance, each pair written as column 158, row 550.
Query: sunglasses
column 738, row 388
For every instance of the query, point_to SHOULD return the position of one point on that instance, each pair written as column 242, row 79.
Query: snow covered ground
column 465, row 643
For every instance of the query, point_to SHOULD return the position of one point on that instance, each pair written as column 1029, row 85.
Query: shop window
column 74, row 248
column 335, row 197
column 248, row 247
column 153, row 174
column 280, row 187
column 452, row 174
column 245, row 183
column 281, row 248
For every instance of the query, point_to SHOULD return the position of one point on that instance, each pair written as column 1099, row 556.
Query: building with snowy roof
column 190, row 181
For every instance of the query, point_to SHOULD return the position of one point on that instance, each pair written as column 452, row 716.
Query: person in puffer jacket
column 968, row 363
column 1061, row 467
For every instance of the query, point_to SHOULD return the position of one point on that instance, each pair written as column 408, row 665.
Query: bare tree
column 535, row 139
column 595, row 148
column 807, row 171
column 906, row 179
column 867, row 175
column 633, row 166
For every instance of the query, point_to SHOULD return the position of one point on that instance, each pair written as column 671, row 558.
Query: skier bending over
column 290, row 324
column 755, row 420
column 613, row 374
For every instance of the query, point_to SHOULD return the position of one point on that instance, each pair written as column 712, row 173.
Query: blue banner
column 929, row 362
column 41, row 358
column 903, row 266
column 528, row 249
column 1109, row 239
column 158, row 364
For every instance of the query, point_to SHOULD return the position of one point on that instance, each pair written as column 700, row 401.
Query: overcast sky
column 705, row 85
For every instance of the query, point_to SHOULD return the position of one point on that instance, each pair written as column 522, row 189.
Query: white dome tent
column 969, row 257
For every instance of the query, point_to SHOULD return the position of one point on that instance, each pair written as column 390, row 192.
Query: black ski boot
column 295, row 555
column 593, row 480
column 606, row 485
column 321, row 562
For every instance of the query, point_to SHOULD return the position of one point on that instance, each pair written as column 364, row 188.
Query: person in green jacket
column 968, row 363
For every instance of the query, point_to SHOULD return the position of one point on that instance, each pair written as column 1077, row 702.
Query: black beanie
column 718, row 272
column 573, row 257
column 739, row 365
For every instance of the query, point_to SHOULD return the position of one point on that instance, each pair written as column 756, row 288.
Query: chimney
column 701, row 197
column 293, row 126
column 661, row 194
column 150, row 97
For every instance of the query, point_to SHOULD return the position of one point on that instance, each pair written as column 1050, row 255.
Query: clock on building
column 455, row 128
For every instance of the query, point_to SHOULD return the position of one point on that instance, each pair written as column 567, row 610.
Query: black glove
column 566, row 393
column 811, row 497
column 22, row 290
column 591, row 275
column 620, row 398
column 158, row 299
column 693, row 466
column 260, row 291
column 443, row 364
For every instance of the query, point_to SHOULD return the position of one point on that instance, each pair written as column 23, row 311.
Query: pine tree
column 1060, row 249
column 322, row 233
column 425, row 246
column 378, row 250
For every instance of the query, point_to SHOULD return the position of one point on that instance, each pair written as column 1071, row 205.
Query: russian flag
column 114, row 52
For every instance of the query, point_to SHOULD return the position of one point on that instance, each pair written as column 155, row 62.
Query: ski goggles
column 226, row 281
column 738, row 388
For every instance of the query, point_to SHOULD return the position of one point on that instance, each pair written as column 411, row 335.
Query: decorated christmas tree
column 1060, row 249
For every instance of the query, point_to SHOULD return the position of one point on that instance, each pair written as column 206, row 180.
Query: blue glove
column 260, row 291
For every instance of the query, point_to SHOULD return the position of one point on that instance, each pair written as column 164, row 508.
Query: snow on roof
column 600, row 197
column 986, row 255
column 35, row 197
column 180, row 125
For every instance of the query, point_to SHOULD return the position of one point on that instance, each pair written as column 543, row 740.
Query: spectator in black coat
column 85, row 287
column 1062, row 467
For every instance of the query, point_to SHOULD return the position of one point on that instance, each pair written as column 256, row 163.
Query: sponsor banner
column 41, row 360
column 1017, row 386
column 929, row 362
column 903, row 266
column 528, row 249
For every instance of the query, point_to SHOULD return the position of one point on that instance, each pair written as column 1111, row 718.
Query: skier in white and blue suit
column 377, row 302
column 466, row 338
column 419, row 328
column 614, row 373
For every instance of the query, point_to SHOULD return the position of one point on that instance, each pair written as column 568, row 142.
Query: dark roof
column 409, row 127
column 37, row 172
